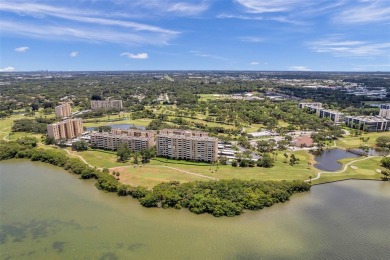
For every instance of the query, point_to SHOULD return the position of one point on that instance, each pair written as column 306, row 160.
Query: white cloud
column 339, row 47
column 254, row 63
column 22, row 49
column 299, row 68
column 139, row 56
column 89, row 34
column 7, row 69
column 206, row 55
column 242, row 17
column 269, row 6
column 251, row 39
column 74, row 54
column 82, row 24
column 367, row 12
column 188, row 9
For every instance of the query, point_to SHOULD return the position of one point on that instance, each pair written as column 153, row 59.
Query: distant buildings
column 310, row 104
column 303, row 141
column 368, row 123
column 63, row 110
column 385, row 111
column 333, row 115
column 66, row 129
column 136, row 140
column 316, row 108
column 106, row 104
column 187, row 145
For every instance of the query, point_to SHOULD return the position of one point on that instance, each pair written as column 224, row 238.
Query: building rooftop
column 369, row 118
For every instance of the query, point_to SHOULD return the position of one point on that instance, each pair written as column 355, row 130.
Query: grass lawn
column 151, row 175
column 100, row 158
column 211, row 124
column 104, row 121
column 205, row 97
column 6, row 124
column 355, row 142
column 366, row 169
column 281, row 171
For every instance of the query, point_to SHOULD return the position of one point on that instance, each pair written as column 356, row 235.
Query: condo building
column 63, row 110
column 187, row 145
column 333, row 115
column 106, row 104
column 310, row 104
column 66, row 129
column 385, row 111
column 136, row 140
column 368, row 123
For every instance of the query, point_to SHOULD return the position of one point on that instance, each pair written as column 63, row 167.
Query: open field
column 100, row 158
column 104, row 121
column 355, row 142
column 205, row 97
column 281, row 170
column 6, row 124
column 151, row 175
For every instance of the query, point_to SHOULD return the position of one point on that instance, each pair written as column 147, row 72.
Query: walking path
column 343, row 170
column 119, row 167
column 81, row 158
column 196, row 174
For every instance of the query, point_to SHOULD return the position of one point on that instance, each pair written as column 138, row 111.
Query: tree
column 383, row 141
column 123, row 152
column 266, row 161
column 136, row 155
column 234, row 163
column 386, row 175
column 80, row 146
column 104, row 128
column 293, row 160
column 385, row 162
column 49, row 140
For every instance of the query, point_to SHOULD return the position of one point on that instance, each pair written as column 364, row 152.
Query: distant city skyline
column 263, row 35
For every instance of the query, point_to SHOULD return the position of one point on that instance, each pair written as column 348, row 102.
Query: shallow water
column 328, row 159
column 47, row 213
column 119, row 126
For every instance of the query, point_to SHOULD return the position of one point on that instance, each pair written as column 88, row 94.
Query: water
column 328, row 159
column 119, row 126
column 47, row 213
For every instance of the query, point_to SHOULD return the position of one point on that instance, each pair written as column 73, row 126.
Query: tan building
column 136, row 140
column 66, row 129
column 63, row 110
column 106, row 104
column 187, row 145
column 385, row 111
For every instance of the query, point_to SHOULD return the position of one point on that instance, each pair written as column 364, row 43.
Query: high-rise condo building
column 66, row 129
column 136, row 140
column 63, row 110
column 187, row 145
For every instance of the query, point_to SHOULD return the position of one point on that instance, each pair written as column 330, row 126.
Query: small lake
column 328, row 159
column 48, row 213
column 120, row 126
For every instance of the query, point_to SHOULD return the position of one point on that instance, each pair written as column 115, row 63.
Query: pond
column 119, row 126
column 48, row 213
column 327, row 160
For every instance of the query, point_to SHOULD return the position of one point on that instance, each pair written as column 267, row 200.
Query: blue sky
column 317, row 35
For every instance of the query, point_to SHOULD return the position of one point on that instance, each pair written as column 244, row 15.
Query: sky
column 260, row 35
